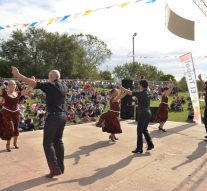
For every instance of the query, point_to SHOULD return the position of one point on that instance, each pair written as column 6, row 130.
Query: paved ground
column 178, row 162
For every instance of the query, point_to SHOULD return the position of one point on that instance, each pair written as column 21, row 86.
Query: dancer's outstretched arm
column 30, row 81
column 169, row 90
column 121, row 95
column 129, row 92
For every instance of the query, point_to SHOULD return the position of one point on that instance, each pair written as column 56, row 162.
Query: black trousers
column 205, row 118
column 142, row 124
column 52, row 141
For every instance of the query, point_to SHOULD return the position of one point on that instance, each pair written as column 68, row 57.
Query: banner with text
column 190, row 76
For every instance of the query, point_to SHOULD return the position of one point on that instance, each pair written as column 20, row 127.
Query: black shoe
column 150, row 147
column 51, row 175
column 8, row 150
column 16, row 147
column 112, row 138
column 161, row 129
column 137, row 151
column 116, row 138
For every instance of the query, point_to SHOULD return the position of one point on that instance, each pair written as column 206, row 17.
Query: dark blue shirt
column 143, row 99
column 55, row 95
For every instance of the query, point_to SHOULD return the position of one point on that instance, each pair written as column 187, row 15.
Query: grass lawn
column 179, row 116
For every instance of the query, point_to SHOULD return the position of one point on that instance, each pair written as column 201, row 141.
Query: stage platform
column 93, row 163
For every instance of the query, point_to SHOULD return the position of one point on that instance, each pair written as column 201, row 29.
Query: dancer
column 162, row 113
column 204, row 85
column 10, row 114
column 143, row 97
column 55, row 122
column 109, row 121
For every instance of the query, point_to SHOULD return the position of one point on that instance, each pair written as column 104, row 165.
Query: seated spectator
column 21, row 123
column 21, row 107
column 28, row 108
column 98, row 109
column 91, row 114
column 41, row 123
column 29, row 125
column 85, row 117
column 191, row 114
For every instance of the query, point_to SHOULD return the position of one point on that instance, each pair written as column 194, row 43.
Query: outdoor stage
column 178, row 162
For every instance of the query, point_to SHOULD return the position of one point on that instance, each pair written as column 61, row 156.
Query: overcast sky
column 115, row 26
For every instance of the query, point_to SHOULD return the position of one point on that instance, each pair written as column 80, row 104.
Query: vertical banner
column 190, row 76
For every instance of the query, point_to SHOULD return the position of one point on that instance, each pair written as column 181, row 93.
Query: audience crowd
column 86, row 101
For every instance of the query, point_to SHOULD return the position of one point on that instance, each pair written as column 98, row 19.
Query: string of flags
column 166, row 56
column 69, row 16
column 199, row 58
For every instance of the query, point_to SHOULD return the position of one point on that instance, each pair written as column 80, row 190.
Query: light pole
column 135, row 34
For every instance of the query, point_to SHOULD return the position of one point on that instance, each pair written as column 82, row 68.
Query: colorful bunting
column 199, row 58
column 74, row 16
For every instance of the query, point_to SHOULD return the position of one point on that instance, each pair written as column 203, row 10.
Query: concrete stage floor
column 178, row 162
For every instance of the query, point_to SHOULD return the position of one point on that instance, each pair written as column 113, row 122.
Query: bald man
column 55, row 121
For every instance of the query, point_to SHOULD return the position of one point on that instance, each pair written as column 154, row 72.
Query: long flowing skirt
column 110, row 122
column 162, row 113
column 9, row 124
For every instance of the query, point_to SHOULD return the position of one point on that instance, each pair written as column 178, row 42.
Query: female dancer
column 109, row 121
column 10, row 114
column 162, row 113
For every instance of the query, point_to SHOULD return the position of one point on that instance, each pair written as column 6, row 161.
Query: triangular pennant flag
column 108, row 7
column 33, row 24
column 51, row 21
column 64, row 18
column 150, row 1
column 25, row 25
column 87, row 12
column 1, row 28
column 124, row 4
column 15, row 24
column 76, row 15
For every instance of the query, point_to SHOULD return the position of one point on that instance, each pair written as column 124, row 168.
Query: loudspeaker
column 153, row 113
column 127, row 112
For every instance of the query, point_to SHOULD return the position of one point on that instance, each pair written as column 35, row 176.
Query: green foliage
column 182, row 84
column 4, row 70
column 135, row 70
column 167, row 77
column 96, row 50
column 105, row 75
column 36, row 52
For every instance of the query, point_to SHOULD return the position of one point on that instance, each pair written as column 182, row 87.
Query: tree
column 135, row 70
column 36, row 52
column 167, row 77
column 105, row 75
column 96, row 50
column 182, row 85
column 5, row 70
